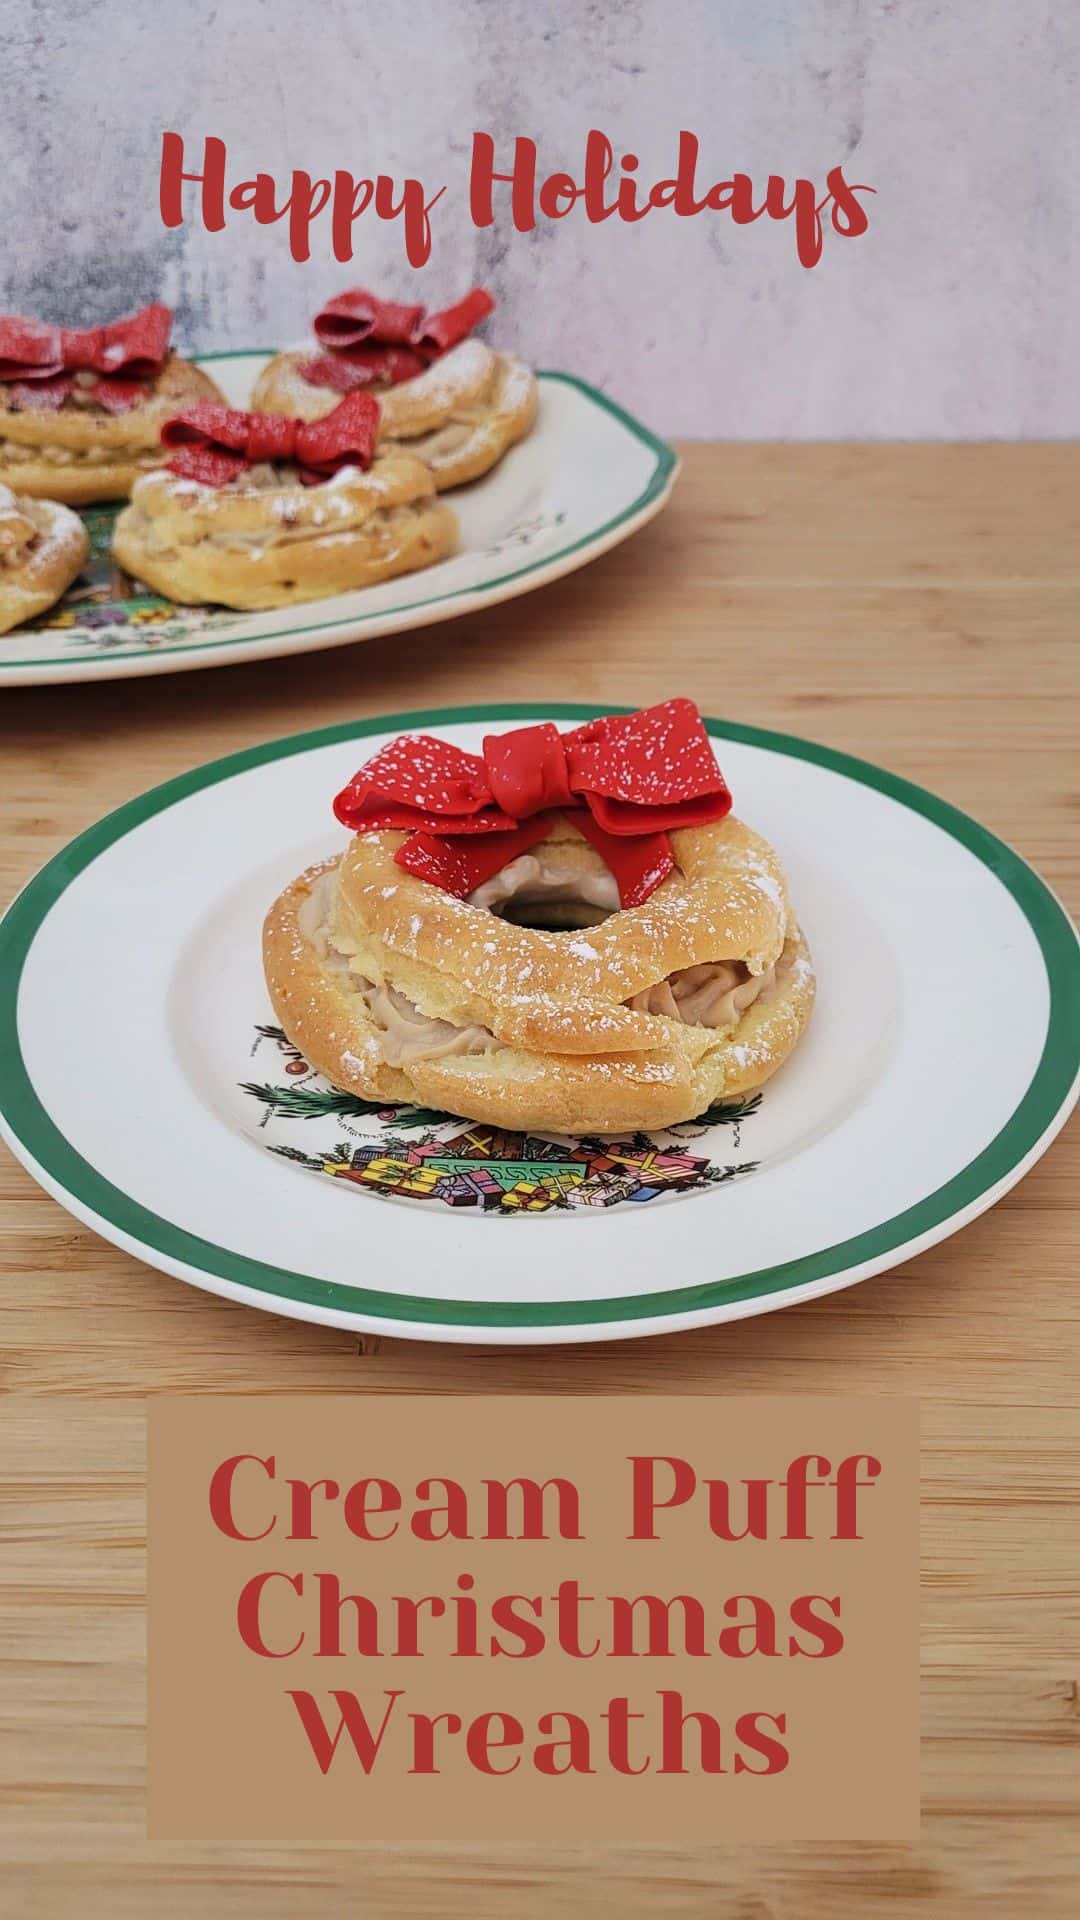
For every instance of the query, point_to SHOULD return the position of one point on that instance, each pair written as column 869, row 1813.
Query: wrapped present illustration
column 415, row 1154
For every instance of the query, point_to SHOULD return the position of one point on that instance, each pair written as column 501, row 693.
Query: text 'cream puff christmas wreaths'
column 570, row 931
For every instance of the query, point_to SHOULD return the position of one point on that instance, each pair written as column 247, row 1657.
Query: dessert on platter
column 81, row 408
column 258, row 510
column 444, row 395
column 43, row 546
column 569, row 931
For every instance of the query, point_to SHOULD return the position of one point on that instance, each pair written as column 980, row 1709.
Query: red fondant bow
column 214, row 444
column 375, row 339
column 40, row 362
column 625, row 781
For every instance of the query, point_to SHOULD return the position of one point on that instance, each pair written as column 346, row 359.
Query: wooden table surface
column 917, row 605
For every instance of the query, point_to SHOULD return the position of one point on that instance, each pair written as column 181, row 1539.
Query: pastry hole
column 550, row 891
column 552, row 916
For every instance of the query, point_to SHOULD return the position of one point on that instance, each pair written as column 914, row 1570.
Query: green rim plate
column 38, row 1141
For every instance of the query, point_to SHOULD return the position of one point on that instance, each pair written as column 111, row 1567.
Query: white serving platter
column 587, row 477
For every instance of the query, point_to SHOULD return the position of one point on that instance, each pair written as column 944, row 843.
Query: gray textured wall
column 958, row 314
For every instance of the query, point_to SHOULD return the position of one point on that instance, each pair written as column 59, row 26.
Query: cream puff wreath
column 570, row 932
column 81, row 408
column 255, row 510
column 447, row 398
column 42, row 547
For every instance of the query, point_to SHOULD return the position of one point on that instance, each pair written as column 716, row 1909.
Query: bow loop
column 625, row 781
column 652, row 770
column 385, row 340
column 438, row 332
column 358, row 315
column 28, row 350
column 418, row 780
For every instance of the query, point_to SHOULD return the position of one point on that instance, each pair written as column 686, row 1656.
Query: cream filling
column 83, row 392
column 14, row 451
column 266, row 476
column 714, row 994
column 408, row 1034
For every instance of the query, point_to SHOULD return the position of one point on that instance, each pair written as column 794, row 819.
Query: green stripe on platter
column 666, row 463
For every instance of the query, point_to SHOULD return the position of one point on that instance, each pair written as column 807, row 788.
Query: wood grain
column 917, row 605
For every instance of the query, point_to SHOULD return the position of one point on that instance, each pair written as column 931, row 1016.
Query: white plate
column 586, row 477
column 140, row 1085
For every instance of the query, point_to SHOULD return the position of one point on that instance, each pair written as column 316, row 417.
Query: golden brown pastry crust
column 42, row 547
column 273, row 545
column 564, row 1052
column 459, row 416
column 82, row 454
